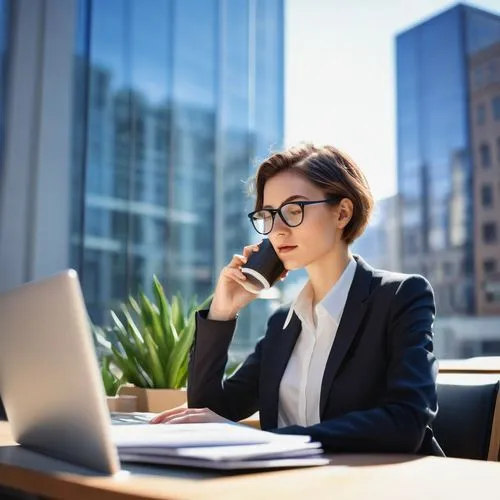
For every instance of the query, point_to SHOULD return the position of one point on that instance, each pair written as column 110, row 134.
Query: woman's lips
column 286, row 248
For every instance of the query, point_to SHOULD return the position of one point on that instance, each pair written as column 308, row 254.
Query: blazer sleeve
column 235, row 398
column 399, row 423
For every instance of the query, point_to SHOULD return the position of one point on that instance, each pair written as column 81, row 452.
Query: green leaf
column 124, row 339
column 182, row 376
column 179, row 357
column 100, row 340
column 130, row 372
column 155, row 368
column 177, row 313
column 231, row 368
column 160, row 298
column 146, row 309
column 164, row 316
column 132, row 329
column 204, row 304
column 110, row 380
column 135, row 306
column 150, row 341
column 152, row 321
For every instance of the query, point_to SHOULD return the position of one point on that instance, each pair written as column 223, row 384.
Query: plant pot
column 154, row 400
column 122, row 403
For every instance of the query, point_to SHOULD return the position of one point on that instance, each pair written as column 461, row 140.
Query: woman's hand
column 230, row 296
column 183, row 415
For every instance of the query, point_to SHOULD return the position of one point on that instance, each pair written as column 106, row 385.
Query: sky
column 340, row 76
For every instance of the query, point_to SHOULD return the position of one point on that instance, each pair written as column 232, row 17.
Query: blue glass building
column 437, row 154
column 4, row 40
column 175, row 102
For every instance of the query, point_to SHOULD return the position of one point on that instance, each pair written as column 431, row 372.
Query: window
column 152, row 104
column 99, row 88
column 119, row 225
column 492, row 296
column 137, row 229
column 489, row 266
column 6, row 15
column 485, row 155
column 410, row 244
column 481, row 114
column 489, row 232
column 478, row 78
column 487, row 196
column 93, row 221
column 496, row 108
column 490, row 347
column 118, row 275
column 447, row 269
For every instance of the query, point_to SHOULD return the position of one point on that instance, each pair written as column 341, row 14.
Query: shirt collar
column 302, row 305
column 333, row 302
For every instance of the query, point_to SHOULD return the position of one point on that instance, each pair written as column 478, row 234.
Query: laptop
column 55, row 402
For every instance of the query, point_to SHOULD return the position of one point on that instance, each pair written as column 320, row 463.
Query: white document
column 185, row 435
column 280, row 463
column 216, row 446
column 234, row 452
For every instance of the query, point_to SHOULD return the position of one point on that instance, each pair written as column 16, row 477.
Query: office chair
column 468, row 421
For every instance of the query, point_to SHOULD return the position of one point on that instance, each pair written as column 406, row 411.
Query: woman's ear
column 345, row 211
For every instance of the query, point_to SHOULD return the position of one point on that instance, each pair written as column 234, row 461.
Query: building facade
column 379, row 244
column 164, row 108
column 443, row 228
column 484, row 112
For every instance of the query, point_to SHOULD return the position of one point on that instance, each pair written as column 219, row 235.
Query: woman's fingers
column 185, row 416
column 237, row 261
column 190, row 418
column 165, row 414
column 237, row 275
column 196, row 415
column 161, row 417
column 250, row 249
column 174, row 412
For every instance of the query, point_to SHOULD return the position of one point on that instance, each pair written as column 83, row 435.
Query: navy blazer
column 378, row 392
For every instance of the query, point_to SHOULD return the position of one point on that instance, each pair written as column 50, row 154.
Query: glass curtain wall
column 5, row 9
column 434, row 167
column 174, row 102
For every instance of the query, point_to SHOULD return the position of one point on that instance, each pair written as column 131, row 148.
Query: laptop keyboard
column 131, row 418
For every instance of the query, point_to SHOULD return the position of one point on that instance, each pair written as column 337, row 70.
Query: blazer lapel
column 286, row 340
column 352, row 316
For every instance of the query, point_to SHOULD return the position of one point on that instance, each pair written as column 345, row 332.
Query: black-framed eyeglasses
column 291, row 213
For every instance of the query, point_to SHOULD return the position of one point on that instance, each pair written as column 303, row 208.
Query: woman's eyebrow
column 290, row 198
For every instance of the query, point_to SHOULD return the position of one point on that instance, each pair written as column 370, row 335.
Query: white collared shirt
column 300, row 387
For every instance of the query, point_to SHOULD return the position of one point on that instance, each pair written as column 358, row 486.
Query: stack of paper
column 216, row 446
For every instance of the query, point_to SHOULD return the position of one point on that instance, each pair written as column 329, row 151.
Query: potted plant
column 112, row 381
column 149, row 343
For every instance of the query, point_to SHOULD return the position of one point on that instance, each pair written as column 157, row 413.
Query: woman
column 350, row 363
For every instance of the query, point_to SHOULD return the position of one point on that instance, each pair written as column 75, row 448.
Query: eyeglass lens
column 292, row 214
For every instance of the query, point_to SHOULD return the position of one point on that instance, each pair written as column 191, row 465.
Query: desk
column 391, row 477
column 487, row 364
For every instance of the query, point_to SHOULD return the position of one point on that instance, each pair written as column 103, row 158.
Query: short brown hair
column 329, row 169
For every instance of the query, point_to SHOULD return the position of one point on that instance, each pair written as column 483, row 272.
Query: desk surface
column 487, row 364
column 348, row 477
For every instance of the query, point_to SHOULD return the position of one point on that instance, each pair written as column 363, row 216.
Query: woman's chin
column 296, row 263
column 291, row 265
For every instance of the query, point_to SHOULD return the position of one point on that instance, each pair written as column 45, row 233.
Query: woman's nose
column 279, row 227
